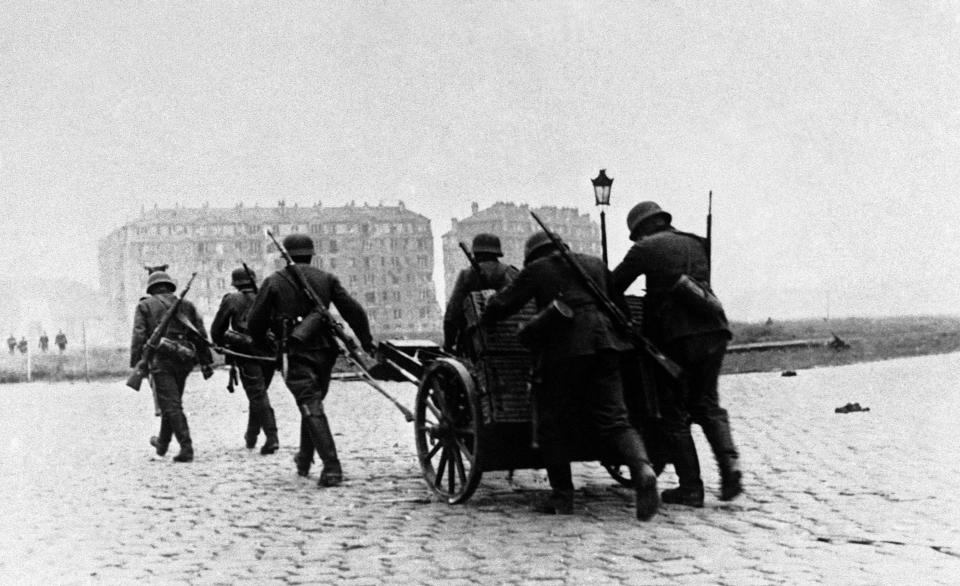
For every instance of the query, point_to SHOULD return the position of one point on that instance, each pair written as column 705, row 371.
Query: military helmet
column 535, row 243
column 158, row 277
column 487, row 243
column 240, row 277
column 298, row 245
column 644, row 211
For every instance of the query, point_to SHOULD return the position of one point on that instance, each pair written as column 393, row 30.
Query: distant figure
column 12, row 343
column 61, row 341
column 229, row 329
column 22, row 346
column 495, row 275
column 44, row 342
column 769, row 321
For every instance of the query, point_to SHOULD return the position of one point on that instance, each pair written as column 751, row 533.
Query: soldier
column 22, row 346
column 280, row 305
column 495, row 275
column 44, row 342
column 579, row 366
column 61, row 341
column 695, row 337
column 12, row 343
column 255, row 376
column 169, row 369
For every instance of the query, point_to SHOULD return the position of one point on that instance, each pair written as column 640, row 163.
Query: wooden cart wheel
column 447, row 428
column 620, row 473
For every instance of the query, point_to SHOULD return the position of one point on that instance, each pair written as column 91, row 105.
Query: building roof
column 511, row 211
column 281, row 214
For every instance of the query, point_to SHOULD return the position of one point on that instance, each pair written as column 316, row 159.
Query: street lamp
column 601, row 191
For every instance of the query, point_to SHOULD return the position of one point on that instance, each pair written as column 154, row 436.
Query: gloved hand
column 206, row 370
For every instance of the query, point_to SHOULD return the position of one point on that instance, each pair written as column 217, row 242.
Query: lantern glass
column 601, row 188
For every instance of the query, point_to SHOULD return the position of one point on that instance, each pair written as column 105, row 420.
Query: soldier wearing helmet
column 493, row 275
column 169, row 369
column 578, row 366
column 693, row 337
column 279, row 307
column 229, row 329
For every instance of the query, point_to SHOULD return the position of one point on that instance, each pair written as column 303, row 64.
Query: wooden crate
column 501, row 364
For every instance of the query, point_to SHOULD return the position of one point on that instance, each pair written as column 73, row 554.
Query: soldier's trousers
column 696, row 400
column 308, row 378
column 169, row 379
column 255, row 377
column 584, row 387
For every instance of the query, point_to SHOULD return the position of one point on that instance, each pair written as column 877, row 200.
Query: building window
column 333, row 246
column 398, row 313
column 370, row 297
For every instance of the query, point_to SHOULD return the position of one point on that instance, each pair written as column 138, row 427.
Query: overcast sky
column 828, row 131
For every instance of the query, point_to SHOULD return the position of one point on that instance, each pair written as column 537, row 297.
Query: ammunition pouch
column 696, row 296
column 238, row 341
column 179, row 350
column 534, row 334
column 309, row 329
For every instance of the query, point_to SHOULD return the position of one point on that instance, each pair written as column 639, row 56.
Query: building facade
column 513, row 224
column 383, row 256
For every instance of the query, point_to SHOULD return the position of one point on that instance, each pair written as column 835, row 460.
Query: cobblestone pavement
column 857, row 498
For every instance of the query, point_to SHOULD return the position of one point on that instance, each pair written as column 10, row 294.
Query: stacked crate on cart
column 501, row 364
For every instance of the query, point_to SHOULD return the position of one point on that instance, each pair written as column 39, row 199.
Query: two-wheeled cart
column 474, row 414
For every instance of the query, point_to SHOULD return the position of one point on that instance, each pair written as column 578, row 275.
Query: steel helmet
column 644, row 211
column 535, row 243
column 298, row 245
column 487, row 243
column 240, row 277
column 158, row 277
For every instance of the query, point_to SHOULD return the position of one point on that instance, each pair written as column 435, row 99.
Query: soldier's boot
column 560, row 501
column 634, row 453
column 269, row 422
column 685, row 462
column 718, row 435
column 322, row 437
column 162, row 442
column 304, row 457
column 253, row 428
column 182, row 431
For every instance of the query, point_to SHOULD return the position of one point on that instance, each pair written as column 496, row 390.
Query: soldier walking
column 580, row 369
column 44, row 342
column 172, row 362
column 12, row 343
column 693, row 335
column 22, row 346
column 61, row 341
column 229, row 329
column 493, row 275
column 279, row 306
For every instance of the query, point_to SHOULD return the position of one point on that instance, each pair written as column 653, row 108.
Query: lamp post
column 601, row 191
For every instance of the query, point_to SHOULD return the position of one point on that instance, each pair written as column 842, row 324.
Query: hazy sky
column 828, row 131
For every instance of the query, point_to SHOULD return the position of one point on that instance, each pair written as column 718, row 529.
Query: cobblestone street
column 831, row 498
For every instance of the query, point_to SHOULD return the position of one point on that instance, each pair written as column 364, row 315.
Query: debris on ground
column 837, row 344
column 789, row 373
column 851, row 408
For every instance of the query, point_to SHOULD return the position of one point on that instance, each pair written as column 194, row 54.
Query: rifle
column 475, row 265
column 142, row 368
column 613, row 312
column 709, row 242
column 253, row 281
column 345, row 343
